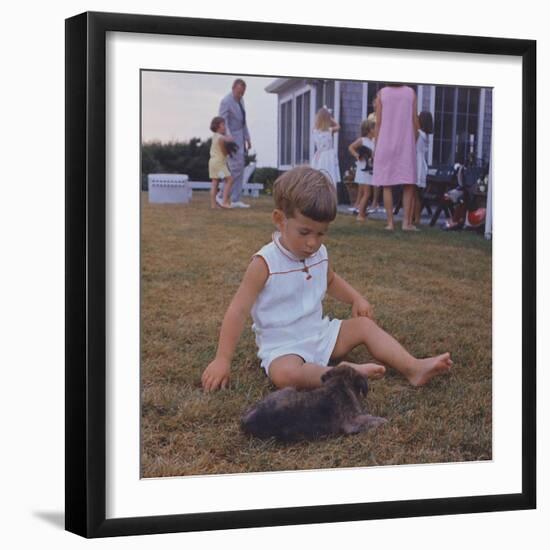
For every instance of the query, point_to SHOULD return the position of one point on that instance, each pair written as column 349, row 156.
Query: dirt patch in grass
column 431, row 290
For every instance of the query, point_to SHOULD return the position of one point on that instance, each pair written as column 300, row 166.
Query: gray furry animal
column 365, row 154
column 332, row 409
column 230, row 147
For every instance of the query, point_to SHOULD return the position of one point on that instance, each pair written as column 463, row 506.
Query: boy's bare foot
column 360, row 218
column 226, row 205
column 370, row 370
column 410, row 228
column 389, row 228
column 425, row 369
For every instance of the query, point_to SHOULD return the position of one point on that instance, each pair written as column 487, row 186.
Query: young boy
column 283, row 289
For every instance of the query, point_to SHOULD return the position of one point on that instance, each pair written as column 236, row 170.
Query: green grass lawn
column 430, row 290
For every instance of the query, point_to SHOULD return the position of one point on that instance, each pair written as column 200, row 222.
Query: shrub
column 267, row 176
column 176, row 157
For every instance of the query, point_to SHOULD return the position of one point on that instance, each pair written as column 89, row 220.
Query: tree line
column 190, row 157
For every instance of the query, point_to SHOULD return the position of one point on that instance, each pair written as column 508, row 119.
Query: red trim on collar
column 287, row 253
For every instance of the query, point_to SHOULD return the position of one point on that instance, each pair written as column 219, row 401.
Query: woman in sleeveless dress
column 325, row 157
column 395, row 156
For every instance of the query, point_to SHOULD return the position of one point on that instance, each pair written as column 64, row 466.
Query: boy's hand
column 361, row 308
column 216, row 375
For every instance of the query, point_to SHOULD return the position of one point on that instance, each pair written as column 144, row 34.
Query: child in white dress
column 283, row 289
column 362, row 149
column 425, row 121
column 325, row 157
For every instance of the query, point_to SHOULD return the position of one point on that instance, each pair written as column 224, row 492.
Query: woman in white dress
column 325, row 157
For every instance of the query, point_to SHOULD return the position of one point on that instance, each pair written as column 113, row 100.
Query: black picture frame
column 86, row 273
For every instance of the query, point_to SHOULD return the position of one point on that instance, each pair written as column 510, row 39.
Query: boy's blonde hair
column 323, row 119
column 367, row 126
column 307, row 191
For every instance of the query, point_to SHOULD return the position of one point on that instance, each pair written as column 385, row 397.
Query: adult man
column 232, row 110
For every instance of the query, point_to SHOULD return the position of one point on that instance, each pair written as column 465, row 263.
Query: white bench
column 252, row 189
column 169, row 188
column 249, row 189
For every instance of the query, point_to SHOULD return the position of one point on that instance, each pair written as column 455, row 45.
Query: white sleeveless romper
column 288, row 313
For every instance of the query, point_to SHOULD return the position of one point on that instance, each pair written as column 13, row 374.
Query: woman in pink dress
column 395, row 154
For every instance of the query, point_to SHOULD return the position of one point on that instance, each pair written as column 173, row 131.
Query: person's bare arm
column 334, row 127
column 217, row 373
column 378, row 111
column 341, row 290
column 353, row 148
column 416, row 121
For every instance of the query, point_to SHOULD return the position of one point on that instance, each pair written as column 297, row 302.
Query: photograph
column 296, row 292
column 315, row 273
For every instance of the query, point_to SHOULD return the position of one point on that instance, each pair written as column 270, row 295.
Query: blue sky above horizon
column 179, row 106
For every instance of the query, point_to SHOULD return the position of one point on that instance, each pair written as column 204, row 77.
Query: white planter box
column 169, row 188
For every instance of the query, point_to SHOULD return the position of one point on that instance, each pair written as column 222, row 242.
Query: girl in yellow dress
column 217, row 165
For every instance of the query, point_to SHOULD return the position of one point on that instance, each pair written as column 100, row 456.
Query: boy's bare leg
column 374, row 371
column 387, row 350
column 291, row 370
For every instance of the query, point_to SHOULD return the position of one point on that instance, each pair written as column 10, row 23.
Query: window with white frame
column 455, row 124
column 302, row 121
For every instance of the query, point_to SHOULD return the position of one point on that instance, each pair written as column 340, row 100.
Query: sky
column 178, row 106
